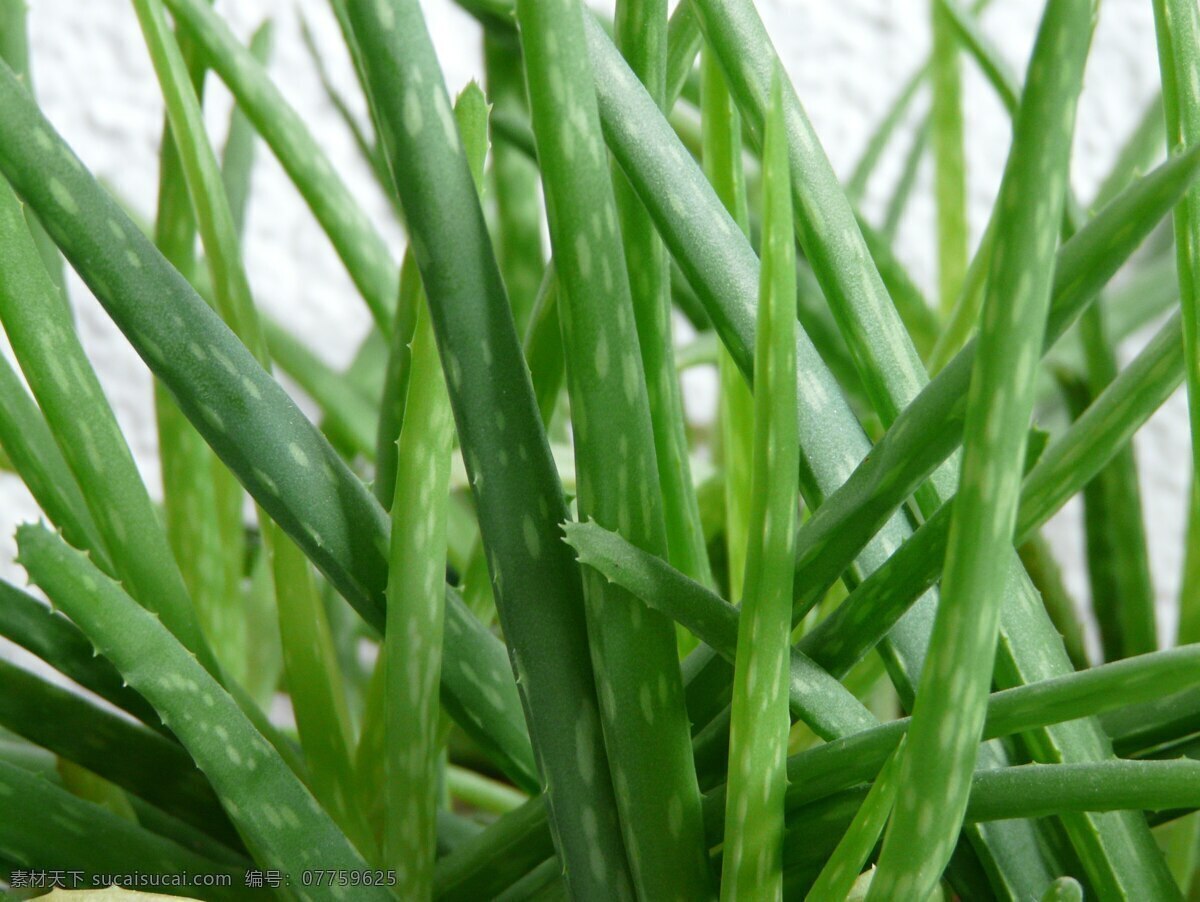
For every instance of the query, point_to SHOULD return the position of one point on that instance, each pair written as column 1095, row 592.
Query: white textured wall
column 847, row 57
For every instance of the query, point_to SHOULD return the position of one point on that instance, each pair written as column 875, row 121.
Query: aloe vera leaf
column 357, row 243
column 280, row 821
column 1118, row 559
column 1151, row 291
column 721, row 138
column 1177, row 28
column 1039, row 562
column 202, row 502
column 482, row 792
column 518, row 496
column 1157, row 724
column 949, row 156
column 1105, row 427
column 641, row 35
column 718, row 266
column 932, row 424
column 36, row 458
column 14, row 50
column 1125, row 686
column 39, row 630
column 237, row 157
column 759, row 722
column 48, row 828
column 684, row 42
column 1142, row 147
column 202, row 176
column 242, row 412
column 81, row 782
column 315, row 684
column 915, row 311
column 366, row 146
column 389, row 423
column 856, row 184
column 1033, row 791
column 825, row 224
column 949, row 710
column 1083, row 267
column 514, row 181
column 415, row 595
column 813, row 696
column 127, row 754
column 85, row 429
column 964, row 27
column 860, row 175
column 542, row 884
column 472, row 113
column 634, row 652
column 414, row 636
column 840, row 872
column 489, row 862
column 265, row 657
column 544, row 348
column 318, row 695
column 1062, row 471
column 349, row 415
column 902, row 193
column 1116, row 541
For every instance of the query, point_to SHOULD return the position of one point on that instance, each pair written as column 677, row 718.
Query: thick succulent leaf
column 280, row 821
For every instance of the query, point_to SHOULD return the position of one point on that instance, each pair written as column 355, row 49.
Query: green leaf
column 202, row 502
column 36, row 458
column 1033, row 791
column 353, row 237
column 66, row 388
column 517, row 493
column 1122, row 590
column 825, row 223
column 514, row 181
column 129, row 755
column 930, row 428
column 641, row 34
column 1177, row 26
column 759, row 723
column 414, row 636
column 244, row 415
column 1127, row 684
column 814, row 697
column 390, row 421
column 1062, row 471
column 949, row 710
column 841, row 871
column 40, row 630
column 47, row 828
column 14, row 49
column 349, row 415
column 634, row 654
column 721, row 138
column 415, row 596
column 723, row 271
column 318, row 696
column 237, row 157
column 282, row 824
column 950, row 182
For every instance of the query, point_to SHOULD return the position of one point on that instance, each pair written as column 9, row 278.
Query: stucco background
column 848, row 58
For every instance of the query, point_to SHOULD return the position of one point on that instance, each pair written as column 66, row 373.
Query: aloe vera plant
column 543, row 636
